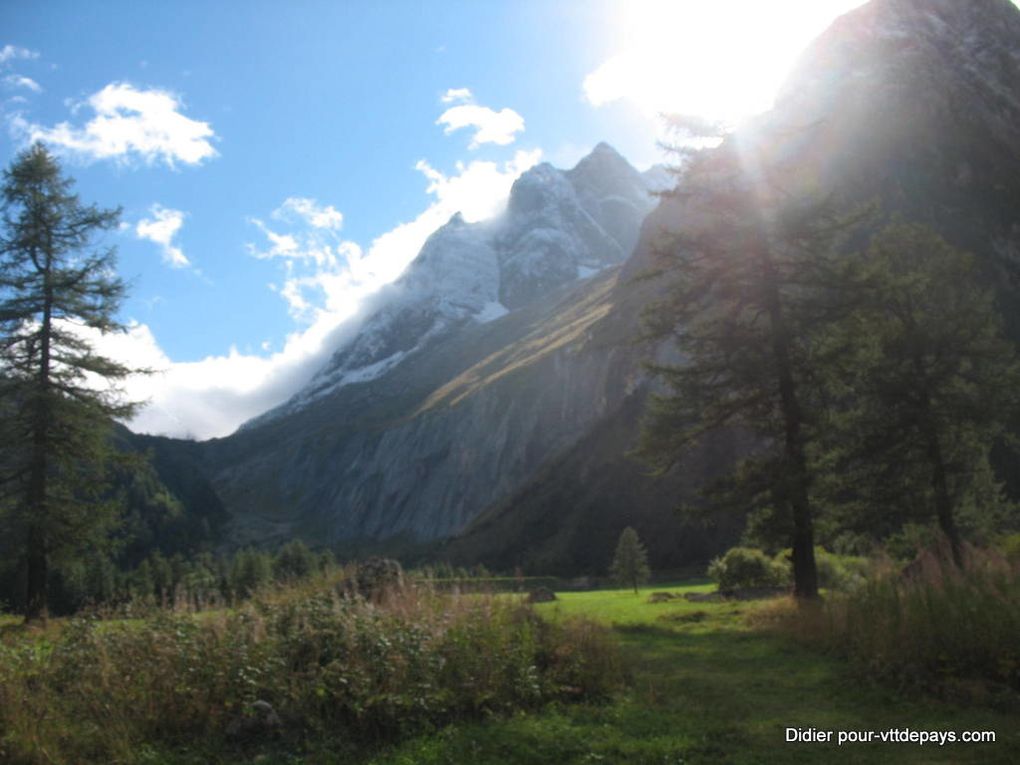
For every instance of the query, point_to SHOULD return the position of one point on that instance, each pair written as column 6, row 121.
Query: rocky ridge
column 559, row 226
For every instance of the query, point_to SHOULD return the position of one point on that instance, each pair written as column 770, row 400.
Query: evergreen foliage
column 755, row 277
column 927, row 386
column 630, row 562
column 58, row 394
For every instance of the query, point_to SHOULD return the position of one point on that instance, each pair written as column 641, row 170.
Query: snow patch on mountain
column 559, row 226
column 490, row 312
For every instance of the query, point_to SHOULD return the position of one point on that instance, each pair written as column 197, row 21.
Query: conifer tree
column 630, row 563
column 754, row 280
column 929, row 387
column 57, row 393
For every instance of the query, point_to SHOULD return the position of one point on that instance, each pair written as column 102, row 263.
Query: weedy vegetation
column 351, row 671
column 948, row 630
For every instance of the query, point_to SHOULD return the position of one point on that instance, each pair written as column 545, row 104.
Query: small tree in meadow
column 630, row 563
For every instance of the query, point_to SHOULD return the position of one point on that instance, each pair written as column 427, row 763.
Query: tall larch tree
column 754, row 278
column 58, row 293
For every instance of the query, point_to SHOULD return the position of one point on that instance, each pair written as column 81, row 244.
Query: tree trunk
column 37, row 600
column 943, row 502
column 37, row 585
column 805, row 573
column 936, row 460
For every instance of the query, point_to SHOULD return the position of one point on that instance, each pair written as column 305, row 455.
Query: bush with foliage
column 747, row 567
column 329, row 665
column 938, row 627
column 1010, row 547
column 835, row 572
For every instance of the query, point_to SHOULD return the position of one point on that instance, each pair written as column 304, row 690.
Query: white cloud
column 454, row 95
column 330, row 282
column 130, row 122
column 13, row 52
column 490, row 126
column 212, row 396
column 161, row 229
column 19, row 81
column 311, row 212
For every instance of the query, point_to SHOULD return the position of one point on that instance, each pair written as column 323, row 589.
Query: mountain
column 915, row 103
column 558, row 227
column 912, row 104
column 488, row 404
column 420, row 420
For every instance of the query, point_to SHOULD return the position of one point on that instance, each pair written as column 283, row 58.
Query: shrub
column 1010, row 546
column 835, row 572
column 747, row 567
column 327, row 664
column 941, row 628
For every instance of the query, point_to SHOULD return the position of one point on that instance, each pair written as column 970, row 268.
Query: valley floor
column 707, row 688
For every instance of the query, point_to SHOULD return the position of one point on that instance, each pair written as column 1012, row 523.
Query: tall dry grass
column 329, row 665
column 933, row 626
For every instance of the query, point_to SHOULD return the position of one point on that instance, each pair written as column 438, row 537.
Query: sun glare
column 717, row 60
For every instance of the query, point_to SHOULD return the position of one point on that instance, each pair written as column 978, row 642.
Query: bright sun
column 714, row 59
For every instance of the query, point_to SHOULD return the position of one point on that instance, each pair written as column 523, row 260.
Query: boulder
column 662, row 597
column 541, row 595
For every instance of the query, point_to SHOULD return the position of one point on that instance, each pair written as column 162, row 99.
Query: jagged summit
column 559, row 226
column 605, row 171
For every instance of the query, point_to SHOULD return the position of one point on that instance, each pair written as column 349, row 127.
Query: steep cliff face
column 472, row 372
column 910, row 103
column 496, row 400
column 422, row 450
column 558, row 227
column 915, row 103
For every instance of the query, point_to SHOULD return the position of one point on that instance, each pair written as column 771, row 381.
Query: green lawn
column 708, row 689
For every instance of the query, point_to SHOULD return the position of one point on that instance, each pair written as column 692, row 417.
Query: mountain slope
column 510, row 434
column 454, row 391
column 912, row 103
column 558, row 227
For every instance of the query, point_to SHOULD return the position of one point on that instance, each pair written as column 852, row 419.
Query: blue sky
column 276, row 162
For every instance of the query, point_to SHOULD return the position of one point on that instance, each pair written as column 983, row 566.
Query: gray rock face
column 541, row 595
column 422, row 449
column 558, row 227
column 918, row 100
column 259, row 721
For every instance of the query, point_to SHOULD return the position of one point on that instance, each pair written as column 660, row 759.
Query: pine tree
column 630, row 563
column 929, row 388
column 58, row 394
column 755, row 278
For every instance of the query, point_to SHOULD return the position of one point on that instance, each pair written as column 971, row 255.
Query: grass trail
column 708, row 689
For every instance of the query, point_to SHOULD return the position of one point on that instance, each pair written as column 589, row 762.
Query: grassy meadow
column 709, row 683
column 703, row 682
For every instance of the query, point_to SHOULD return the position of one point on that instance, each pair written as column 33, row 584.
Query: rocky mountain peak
column 604, row 169
column 558, row 227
